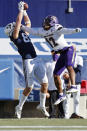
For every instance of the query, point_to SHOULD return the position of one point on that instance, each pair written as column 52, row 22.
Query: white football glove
column 78, row 30
column 21, row 6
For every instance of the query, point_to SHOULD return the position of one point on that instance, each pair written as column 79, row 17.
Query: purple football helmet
column 49, row 21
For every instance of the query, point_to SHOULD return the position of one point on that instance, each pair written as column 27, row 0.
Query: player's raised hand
column 78, row 30
column 21, row 6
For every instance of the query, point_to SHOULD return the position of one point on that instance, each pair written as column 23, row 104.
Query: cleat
column 72, row 89
column 18, row 112
column 76, row 116
column 43, row 110
column 61, row 98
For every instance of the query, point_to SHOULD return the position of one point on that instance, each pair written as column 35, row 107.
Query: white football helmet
column 9, row 28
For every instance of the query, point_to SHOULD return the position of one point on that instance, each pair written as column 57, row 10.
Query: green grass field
column 43, row 123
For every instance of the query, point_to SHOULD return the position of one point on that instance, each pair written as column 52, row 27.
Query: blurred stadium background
column 72, row 14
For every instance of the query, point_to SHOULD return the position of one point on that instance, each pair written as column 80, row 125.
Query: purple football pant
column 67, row 58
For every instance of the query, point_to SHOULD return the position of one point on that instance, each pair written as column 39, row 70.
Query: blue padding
column 34, row 95
column 6, row 79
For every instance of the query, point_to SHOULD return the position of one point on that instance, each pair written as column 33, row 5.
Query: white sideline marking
column 46, row 130
column 81, row 127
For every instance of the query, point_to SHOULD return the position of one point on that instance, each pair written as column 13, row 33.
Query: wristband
column 24, row 13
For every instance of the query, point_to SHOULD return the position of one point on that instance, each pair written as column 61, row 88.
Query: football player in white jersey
column 54, row 111
column 54, row 33
column 76, row 96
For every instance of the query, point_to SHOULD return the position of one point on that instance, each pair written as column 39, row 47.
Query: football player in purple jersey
column 54, row 33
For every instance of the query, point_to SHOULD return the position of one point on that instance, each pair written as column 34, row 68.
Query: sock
column 22, row 101
column 42, row 99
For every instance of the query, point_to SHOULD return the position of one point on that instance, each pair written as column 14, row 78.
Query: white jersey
column 54, row 36
column 78, row 61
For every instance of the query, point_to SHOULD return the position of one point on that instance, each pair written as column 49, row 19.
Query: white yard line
column 53, row 127
column 45, row 130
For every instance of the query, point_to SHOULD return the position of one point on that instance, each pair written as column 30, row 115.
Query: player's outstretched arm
column 18, row 20
column 26, row 17
column 69, row 31
column 39, row 32
column 31, row 30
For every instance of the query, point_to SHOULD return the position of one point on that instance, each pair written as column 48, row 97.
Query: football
column 25, row 6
